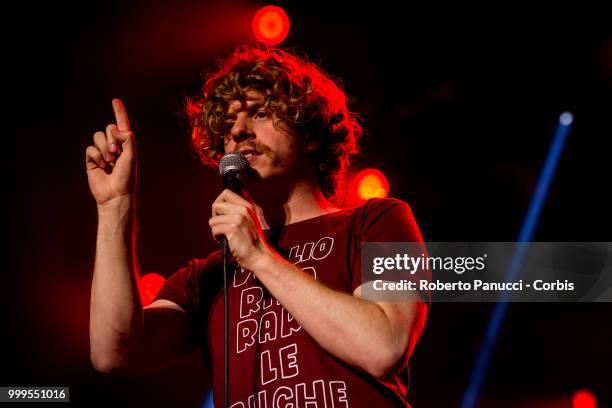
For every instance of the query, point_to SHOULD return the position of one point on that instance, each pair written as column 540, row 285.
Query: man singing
column 299, row 333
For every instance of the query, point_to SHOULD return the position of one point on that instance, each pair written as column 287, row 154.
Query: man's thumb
column 126, row 138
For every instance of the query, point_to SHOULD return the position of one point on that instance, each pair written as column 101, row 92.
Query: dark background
column 459, row 103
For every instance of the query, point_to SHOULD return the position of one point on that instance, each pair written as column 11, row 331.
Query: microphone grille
column 233, row 161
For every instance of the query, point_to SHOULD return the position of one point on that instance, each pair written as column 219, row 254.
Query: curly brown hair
column 296, row 92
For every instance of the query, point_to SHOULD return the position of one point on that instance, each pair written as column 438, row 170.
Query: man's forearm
column 116, row 312
column 356, row 331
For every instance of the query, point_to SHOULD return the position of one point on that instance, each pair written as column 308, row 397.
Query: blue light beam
column 526, row 233
column 208, row 400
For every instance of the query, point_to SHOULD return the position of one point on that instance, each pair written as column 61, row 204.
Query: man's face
column 271, row 151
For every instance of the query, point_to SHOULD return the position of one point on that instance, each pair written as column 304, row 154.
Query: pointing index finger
column 123, row 122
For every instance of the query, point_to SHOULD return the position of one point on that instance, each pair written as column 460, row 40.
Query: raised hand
column 111, row 161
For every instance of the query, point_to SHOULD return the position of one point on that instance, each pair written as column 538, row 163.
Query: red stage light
column 271, row 25
column 371, row 183
column 584, row 399
column 148, row 286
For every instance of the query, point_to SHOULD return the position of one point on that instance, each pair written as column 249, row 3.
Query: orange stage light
column 271, row 25
column 371, row 183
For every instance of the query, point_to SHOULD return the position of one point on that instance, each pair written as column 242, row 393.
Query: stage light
column 566, row 118
column 584, row 399
column 371, row 183
column 148, row 286
column 271, row 25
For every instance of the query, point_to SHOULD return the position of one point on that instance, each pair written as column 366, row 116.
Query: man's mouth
column 250, row 154
column 251, row 157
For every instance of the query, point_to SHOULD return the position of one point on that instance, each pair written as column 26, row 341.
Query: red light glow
column 584, row 399
column 271, row 25
column 149, row 285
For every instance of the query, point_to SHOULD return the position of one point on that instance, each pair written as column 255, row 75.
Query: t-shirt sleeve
column 182, row 287
column 383, row 220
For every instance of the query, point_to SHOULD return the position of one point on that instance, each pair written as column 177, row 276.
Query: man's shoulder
column 379, row 206
column 387, row 219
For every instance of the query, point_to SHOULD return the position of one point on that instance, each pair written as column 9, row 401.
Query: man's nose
column 241, row 131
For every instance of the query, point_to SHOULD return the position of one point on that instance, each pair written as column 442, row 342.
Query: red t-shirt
column 273, row 361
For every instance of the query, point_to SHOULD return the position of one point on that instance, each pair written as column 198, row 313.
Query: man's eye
column 261, row 114
column 229, row 125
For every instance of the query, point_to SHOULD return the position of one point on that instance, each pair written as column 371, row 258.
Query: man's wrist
column 116, row 213
column 267, row 263
column 121, row 205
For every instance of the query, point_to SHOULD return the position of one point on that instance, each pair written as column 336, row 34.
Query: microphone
column 231, row 167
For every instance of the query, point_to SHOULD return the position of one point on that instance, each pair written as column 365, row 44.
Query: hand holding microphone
column 234, row 218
